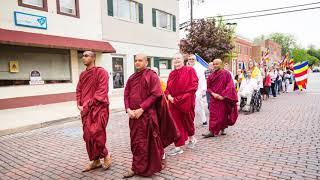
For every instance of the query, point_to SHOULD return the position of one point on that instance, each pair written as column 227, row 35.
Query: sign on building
column 35, row 78
column 13, row 66
column 30, row 20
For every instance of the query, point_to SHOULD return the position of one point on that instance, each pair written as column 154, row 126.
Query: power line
column 282, row 12
column 184, row 25
column 250, row 12
column 264, row 10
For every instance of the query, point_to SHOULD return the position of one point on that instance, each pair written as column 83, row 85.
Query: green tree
column 259, row 40
column 300, row 55
column 209, row 38
column 287, row 41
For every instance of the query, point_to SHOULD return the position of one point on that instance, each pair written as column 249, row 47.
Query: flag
column 201, row 61
column 285, row 60
column 290, row 64
column 300, row 72
column 243, row 67
column 266, row 56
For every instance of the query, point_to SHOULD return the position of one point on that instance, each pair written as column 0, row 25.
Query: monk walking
column 140, row 96
column 181, row 91
column 223, row 107
column 93, row 103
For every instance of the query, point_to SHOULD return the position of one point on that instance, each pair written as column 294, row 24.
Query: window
column 126, row 9
column 32, row 64
column 34, row 4
column 164, row 20
column 68, row 7
column 117, row 72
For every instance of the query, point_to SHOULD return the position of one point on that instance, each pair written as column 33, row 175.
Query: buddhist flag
column 266, row 56
column 202, row 62
column 290, row 64
column 301, row 74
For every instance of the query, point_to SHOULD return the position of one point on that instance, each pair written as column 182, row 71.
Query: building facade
column 267, row 47
column 243, row 50
column 141, row 26
column 41, row 42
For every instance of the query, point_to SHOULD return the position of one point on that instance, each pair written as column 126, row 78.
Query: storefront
column 41, row 69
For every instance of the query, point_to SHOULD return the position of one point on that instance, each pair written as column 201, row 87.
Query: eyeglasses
column 85, row 55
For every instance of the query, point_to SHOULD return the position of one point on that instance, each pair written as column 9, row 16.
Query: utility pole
column 191, row 11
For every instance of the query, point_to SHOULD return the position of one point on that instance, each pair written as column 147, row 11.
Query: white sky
column 304, row 25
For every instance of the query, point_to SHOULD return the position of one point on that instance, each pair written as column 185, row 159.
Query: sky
column 304, row 25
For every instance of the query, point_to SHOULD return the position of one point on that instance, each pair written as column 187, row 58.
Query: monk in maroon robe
column 141, row 93
column 223, row 100
column 93, row 103
column 181, row 88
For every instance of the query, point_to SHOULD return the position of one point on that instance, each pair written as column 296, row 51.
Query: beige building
column 141, row 26
column 41, row 42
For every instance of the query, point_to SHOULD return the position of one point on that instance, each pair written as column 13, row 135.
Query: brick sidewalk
column 280, row 142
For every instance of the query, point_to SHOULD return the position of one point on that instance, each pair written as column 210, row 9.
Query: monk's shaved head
column 88, row 58
column 91, row 53
column 141, row 61
column 210, row 66
column 178, row 61
column 217, row 64
column 142, row 56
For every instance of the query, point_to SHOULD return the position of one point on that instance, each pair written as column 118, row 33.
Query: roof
column 50, row 41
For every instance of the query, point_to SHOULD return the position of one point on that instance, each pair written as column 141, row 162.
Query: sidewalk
column 28, row 118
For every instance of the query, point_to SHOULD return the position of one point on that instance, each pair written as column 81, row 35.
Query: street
column 281, row 141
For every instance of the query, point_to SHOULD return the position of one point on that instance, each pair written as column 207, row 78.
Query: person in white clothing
column 248, row 85
column 202, row 88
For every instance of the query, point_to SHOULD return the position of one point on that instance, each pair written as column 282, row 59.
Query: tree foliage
column 300, row 55
column 286, row 41
column 209, row 38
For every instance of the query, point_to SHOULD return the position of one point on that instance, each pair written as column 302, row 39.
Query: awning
column 49, row 41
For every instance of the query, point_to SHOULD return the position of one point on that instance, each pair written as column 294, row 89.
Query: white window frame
column 67, row 8
column 169, row 20
column 36, row 5
column 132, row 4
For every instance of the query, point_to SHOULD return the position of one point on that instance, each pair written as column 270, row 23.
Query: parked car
column 316, row 69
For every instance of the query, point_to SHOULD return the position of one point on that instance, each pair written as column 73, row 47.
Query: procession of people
column 162, row 113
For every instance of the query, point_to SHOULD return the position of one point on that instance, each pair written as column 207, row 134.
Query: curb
column 46, row 124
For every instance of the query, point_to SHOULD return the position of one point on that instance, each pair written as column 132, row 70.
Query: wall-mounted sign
column 30, row 20
column 35, row 78
column 13, row 66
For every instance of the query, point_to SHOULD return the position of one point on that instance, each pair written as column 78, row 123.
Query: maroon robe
column 223, row 113
column 142, row 91
column 92, row 94
column 182, row 86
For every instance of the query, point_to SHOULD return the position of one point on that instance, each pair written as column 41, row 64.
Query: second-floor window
column 34, row 4
column 164, row 20
column 68, row 7
column 126, row 9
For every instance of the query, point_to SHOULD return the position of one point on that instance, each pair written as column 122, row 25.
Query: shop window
column 20, row 65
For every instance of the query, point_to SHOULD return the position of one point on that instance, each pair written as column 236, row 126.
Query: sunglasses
column 86, row 55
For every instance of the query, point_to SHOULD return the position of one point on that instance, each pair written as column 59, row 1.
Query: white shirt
column 202, row 84
column 248, row 85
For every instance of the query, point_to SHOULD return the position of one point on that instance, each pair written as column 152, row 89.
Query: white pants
column 200, row 109
column 247, row 95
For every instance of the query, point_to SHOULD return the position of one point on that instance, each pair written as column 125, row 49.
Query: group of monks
column 157, row 117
